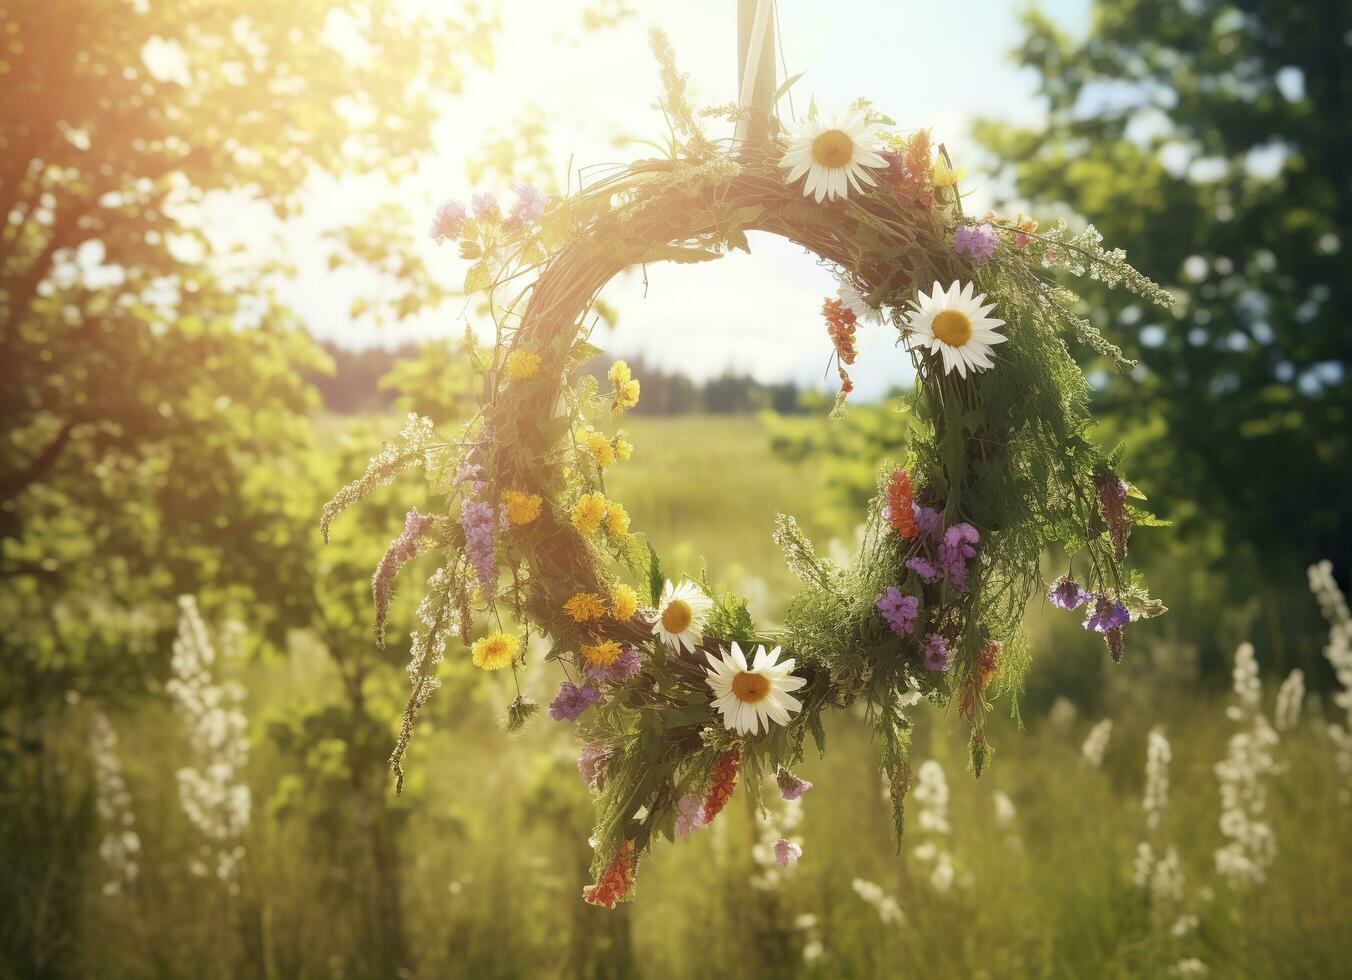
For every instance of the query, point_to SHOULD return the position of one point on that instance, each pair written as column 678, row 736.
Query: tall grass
column 490, row 853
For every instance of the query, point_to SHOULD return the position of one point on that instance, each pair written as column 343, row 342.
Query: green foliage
column 1222, row 166
column 155, row 408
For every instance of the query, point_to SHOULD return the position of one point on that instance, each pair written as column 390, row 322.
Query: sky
column 931, row 65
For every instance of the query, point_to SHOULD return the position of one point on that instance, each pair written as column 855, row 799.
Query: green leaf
column 477, row 278
column 580, row 353
column 656, row 578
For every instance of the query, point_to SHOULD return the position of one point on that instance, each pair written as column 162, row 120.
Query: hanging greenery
column 673, row 686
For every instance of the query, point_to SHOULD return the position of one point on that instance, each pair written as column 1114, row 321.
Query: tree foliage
column 1209, row 139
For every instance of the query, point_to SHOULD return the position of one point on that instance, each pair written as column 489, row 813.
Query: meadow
column 1032, row 870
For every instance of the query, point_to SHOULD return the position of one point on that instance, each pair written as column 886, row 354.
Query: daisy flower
column 750, row 698
column 857, row 303
column 494, row 651
column 681, row 614
column 955, row 325
column 834, row 156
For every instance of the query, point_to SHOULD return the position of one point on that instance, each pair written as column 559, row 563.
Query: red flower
column 989, row 662
column 840, row 324
column 615, row 881
column 722, row 781
column 899, row 513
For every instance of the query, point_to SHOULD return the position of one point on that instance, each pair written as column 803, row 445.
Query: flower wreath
column 673, row 686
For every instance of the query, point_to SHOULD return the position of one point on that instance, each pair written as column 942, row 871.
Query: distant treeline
column 354, row 386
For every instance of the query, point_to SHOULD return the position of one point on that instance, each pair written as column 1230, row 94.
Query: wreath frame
column 655, row 740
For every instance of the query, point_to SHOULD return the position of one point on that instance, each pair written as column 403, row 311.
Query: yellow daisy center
column 750, row 687
column 953, row 328
column 833, row 148
column 677, row 617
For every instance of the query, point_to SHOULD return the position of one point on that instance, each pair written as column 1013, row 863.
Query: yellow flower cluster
column 623, row 602
column 945, row 176
column 626, row 387
column 584, row 607
column 522, row 508
column 598, row 447
column 624, row 450
column 589, row 512
column 522, row 365
column 593, row 510
column 602, row 654
column 494, row 651
column 617, row 522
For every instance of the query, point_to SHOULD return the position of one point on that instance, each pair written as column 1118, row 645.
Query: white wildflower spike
column 1242, row 774
column 1096, row 743
column 120, row 843
column 931, row 797
column 1338, row 652
column 1290, row 698
column 212, row 791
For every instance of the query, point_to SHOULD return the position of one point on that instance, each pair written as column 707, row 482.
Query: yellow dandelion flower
column 945, row 176
column 599, row 447
column 626, row 396
column 494, row 651
column 522, row 365
column 617, row 521
column 584, row 607
column 601, row 654
column 589, row 512
column 619, row 373
column 624, row 450
column 623, row 602
column 522, row 508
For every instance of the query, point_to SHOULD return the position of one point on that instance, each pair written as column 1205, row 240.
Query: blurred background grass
column 210, row 209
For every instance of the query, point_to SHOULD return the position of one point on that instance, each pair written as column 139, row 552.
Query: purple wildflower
column 625, row 666
column 924, row 568
column 689, row 814
column 572, row 700
column 927, row 519
column 1106, row 616
column 485, row 204
column 790, row 786
column 478, row 520
column 530, row 206
column 936, row 652
column 402, row 549
column 958, row 547
column 975, row 241
column 592, row 762
column 447, row 222
column 1066, row 593
column 786, row 852
column 470, row 473
column 900, row 611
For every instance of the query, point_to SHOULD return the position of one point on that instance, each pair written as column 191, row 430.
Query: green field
column 477, row 870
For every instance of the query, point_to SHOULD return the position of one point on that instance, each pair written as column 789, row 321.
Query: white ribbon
column 760, row 27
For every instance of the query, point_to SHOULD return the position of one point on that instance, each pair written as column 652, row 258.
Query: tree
column 1209, row 139
column 147, row 369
